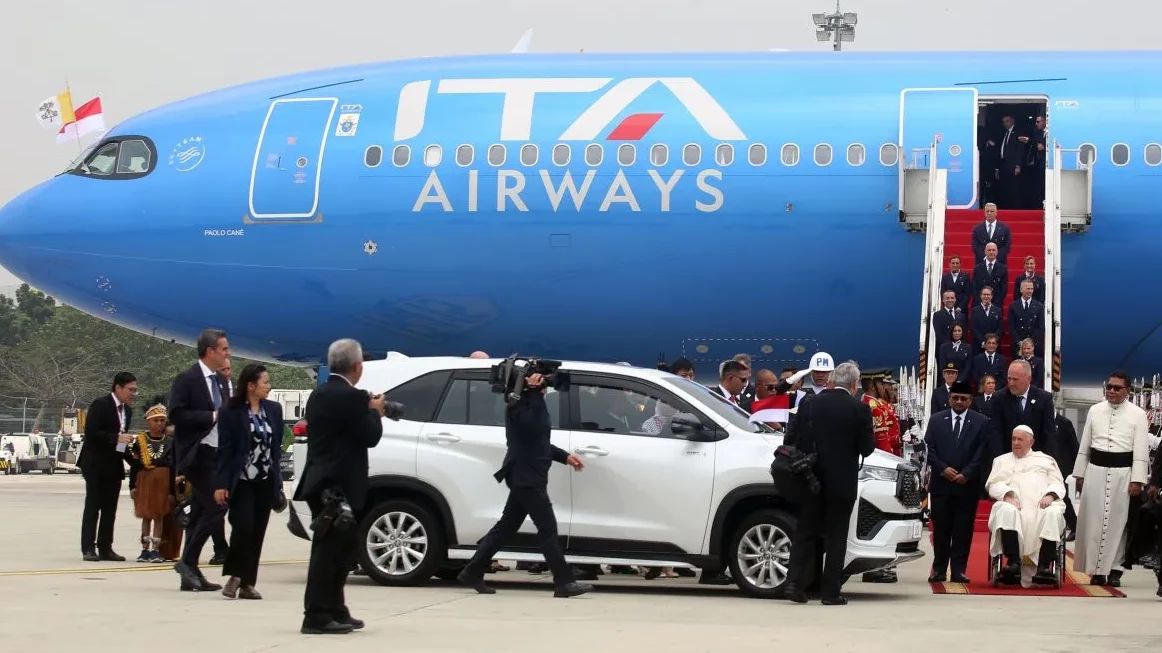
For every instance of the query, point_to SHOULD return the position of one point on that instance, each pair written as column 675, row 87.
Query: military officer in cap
column 941, row 394
column 886, row 427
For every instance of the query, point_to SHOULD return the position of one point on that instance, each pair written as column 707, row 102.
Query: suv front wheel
column 401, row 543
column 760, row 553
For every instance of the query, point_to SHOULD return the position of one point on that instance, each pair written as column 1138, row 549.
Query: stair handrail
column 933, row 269
column 1052, row 336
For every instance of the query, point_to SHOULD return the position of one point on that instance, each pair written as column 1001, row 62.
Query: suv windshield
column 714, row 402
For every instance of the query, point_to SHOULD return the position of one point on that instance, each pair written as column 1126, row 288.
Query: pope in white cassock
column 1110, row 468
column 1028, row 517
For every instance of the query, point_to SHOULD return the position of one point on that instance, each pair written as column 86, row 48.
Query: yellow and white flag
column 71, row 124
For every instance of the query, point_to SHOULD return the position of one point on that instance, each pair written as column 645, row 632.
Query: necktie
column 956, row 346
column 990, row 359
column 986, row 311
column 991, row 225
column 1026, row 304
column 990, row 268
column 1022, row 404
column 121, row 416
column 956, row 430
column 988, row 398
column 734, row 399
column 215, row 392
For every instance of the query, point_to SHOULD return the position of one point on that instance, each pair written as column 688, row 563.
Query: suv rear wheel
column 402, row 543
column 759, row 553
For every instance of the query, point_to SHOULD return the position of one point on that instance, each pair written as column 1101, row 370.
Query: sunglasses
column 1115, row 388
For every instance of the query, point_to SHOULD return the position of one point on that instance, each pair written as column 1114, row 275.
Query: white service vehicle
column 28, row 452
column 655, row 491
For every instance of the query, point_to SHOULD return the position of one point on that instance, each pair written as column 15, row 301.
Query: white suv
column 654, row 491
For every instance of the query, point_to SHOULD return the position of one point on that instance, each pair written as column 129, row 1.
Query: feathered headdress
column 156, row 408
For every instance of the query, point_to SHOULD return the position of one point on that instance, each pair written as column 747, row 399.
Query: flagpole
column 75, row 130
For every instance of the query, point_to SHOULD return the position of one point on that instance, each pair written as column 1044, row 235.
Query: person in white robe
column 1110, row 468
column 1028, row 518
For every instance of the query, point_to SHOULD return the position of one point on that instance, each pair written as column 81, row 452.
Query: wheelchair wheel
column 995, row 571
column 1060, row 575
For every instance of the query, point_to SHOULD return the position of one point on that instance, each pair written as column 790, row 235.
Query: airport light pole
column 839, row 25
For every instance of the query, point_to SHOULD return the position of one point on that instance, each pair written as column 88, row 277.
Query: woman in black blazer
column 956, row 351
column 249, row 478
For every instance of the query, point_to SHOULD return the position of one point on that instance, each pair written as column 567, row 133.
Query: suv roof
column 398, row 368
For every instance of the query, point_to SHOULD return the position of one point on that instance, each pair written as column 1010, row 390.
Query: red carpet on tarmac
column 1076, row 582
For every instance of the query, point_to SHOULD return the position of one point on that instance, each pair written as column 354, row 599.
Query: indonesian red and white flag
column 71, row 124
column 774, row 408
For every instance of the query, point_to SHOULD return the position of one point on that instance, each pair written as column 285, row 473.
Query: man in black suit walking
column 958, row 282
column 1030, row 274
column 734, row 378
column 1027, row 320
column 1010, row 159
column 343, row 422
column 530, row 454
column 956, row 440
column 1022, row 403
column 947, row 317
column 993, row 273
column 837, row 427
column 101, row 462
column 195, row 397
column 991, row 231
column 986, row 318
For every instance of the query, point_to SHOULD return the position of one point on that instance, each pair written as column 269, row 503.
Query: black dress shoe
column 218, row 559
column 1011, row 573
column 960, row 578
column 1115, row 579
column 1097, row 580
column 90, row 555
column 356, row 624
column 1044, row 576
column 110, row 555
column 475, row 582
column 572, row 589
column 715, row 578
column 329, row 628
column 192, row 579
column 838, row 599
column 937, row 578
column 794, row 594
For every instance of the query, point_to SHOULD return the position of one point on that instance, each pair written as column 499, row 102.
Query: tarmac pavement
column 53, row 601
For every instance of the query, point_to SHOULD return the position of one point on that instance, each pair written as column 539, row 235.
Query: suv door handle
column 596, row 451
column 443, row 437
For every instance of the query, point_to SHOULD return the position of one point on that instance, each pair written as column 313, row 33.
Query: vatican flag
column 71, row 124
column 56, row 111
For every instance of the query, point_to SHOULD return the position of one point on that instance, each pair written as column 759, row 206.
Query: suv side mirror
column 693, row 427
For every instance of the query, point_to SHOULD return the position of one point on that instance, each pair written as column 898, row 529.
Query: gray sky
column 141, row 53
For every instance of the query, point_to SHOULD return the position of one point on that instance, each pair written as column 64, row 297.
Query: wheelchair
column 997, row 561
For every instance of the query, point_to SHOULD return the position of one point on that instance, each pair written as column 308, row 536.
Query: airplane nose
column 14, row 224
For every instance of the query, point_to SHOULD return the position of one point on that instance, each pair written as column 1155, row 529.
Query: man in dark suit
column 958, row 282
column 1066, row 457
column 1028, row 353
column 991, row 231
column 944, row 319
column 1026, row 320
column 1021, row 403
column 955, row 440
column 990, row 362
column 983, row 403
column 343, row 422
column 530, row 454
column 747, row 396
column 942, row 393
column 1010, row 159
column 986, row 318
column 1036, row 156
column 195, row 397
column 732, row 383
column 1030, row 274
column 993, row 273
column 837, row 427
column 101, row 462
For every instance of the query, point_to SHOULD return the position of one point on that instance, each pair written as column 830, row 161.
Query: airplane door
column 947, row 115
column 288, row 162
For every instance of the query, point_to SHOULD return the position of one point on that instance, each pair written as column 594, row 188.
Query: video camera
column 509, row 377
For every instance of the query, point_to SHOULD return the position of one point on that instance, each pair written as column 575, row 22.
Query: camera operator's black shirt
column 527, row 431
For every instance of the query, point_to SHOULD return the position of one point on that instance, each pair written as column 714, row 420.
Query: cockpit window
column 133, row 158
column 127, row 157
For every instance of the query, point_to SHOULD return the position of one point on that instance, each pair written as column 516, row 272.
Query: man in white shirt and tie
column 991, row 272
column 1010, row 155
column 991, row 230
column 1026, row 319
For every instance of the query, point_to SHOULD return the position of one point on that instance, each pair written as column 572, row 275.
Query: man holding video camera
column 527, row 430
column 343, row 422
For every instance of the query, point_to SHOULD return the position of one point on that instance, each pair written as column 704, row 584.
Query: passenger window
column 103, row 161
column 790, row 154
column 454, row 410
column 134, row 158
column 659, row 154
column 593, row 154
column 464, row 155
column 889, row 154
column 856, row 155
column 561, row 154
column 433, row 155
column 612, row 409
column 373, row 156
column 691, row 154
column 823, row 154
column 1153, row 154
column 757, row 155
column 626, row 154
column 1120, row 154
column 421, row 395
column 1086, row 155
column 472, row 401
column 401, row 156
column 724, row 154
column 529, row 154
column 496, row 154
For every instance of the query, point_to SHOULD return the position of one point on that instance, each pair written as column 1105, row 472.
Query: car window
column 472, row 401
column 614, row 409
column 421, row 395
column 716, row 403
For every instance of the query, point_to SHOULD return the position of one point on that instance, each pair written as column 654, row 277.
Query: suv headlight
column 873, row 473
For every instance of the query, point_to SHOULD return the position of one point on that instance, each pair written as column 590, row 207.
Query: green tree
column 35, row 305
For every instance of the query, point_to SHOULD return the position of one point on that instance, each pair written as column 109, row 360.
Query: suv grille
column 869, row 519
column 908, row 487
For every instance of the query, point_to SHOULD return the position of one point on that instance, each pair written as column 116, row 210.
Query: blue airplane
column 595, row 206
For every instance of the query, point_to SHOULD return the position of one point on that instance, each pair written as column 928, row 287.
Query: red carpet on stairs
column 1076, row 583
column 1028, row 239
